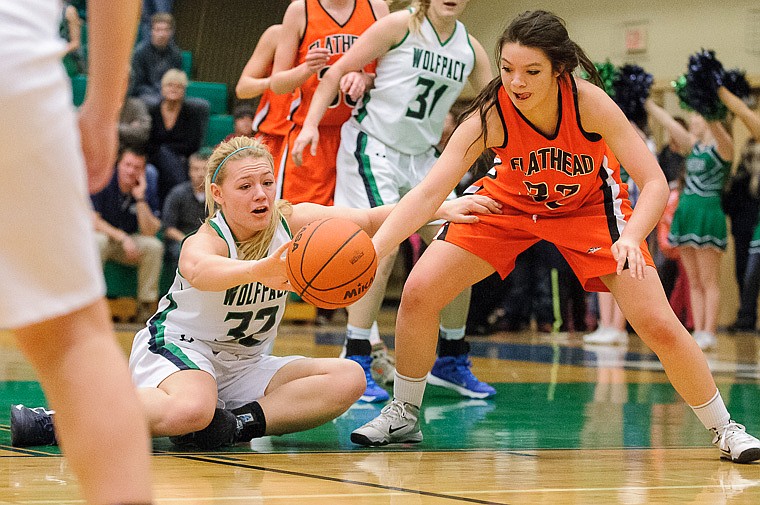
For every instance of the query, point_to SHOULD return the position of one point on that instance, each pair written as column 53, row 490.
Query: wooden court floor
column 571, row 424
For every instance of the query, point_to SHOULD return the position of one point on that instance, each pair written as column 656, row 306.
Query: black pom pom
column 700, row 89
column 736, row 82
column 632, row 85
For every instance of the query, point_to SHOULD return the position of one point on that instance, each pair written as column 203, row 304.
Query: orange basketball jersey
column 272, row 114
column 554, row 174
column 323, row 31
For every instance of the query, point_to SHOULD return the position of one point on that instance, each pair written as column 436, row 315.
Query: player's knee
column 353, row 382
column 420, row 294
column 190, row 414
column 658, row 329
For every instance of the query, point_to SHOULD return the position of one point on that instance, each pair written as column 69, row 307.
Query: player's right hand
column 316, row 58
column 309, row 136
column 270, row 271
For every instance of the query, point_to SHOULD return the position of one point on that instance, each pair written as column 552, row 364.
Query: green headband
column 216, row 172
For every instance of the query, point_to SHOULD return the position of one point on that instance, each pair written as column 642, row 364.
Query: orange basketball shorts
column 276, row 145
column 314, row 180
column 584, row 238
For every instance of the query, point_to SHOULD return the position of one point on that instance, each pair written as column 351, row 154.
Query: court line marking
column 341, row 481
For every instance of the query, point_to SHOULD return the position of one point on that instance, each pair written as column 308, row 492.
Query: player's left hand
column 626, row 250
column 465, row 208
column 354, row 84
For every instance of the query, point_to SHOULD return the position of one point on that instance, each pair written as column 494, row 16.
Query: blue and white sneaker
column 373, row 393
column 453, row 372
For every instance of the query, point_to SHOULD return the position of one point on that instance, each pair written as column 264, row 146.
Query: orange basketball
column 331, row 263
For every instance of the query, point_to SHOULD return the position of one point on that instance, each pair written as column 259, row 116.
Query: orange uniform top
column 554, row 174
column 323, row 31
column 272, row 114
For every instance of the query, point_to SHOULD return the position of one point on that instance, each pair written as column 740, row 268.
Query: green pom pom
column 680, row 88
column 609, row 75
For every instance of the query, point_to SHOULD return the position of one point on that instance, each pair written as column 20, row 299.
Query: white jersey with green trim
column 242, row 320
column 418, row 80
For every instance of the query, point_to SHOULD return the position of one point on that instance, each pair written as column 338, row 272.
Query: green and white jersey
column 418, row 80
column 705, row 171
column 241, row 321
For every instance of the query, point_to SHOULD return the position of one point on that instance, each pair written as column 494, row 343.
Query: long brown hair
column 237, row 148
column 542, row 30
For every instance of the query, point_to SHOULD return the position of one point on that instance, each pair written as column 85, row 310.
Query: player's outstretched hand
column 270, row 271
column 465, row 208
column 626, row 250
column 309, row 136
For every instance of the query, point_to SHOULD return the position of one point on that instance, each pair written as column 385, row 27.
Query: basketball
column 331, row 263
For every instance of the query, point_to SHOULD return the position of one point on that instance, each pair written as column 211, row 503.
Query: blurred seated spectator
column 149, row 9
column 134, row 124
column 185, row 208
column 741, row 203
column 71, row 31
column 126, row 222
column 243, row 114
column 152, row 58
column 178, row 127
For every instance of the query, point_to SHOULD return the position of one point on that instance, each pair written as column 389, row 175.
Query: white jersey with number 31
column 418, row 80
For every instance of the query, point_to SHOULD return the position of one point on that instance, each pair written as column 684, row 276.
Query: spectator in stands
column 71, row 31
column 149, row 9
column 153, row 58
column 185, row 208
column 134, row 123
column 177, row 131
column 126, row 223
column 243, row 115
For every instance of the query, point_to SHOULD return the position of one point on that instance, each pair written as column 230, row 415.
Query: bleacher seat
column 213, row 92
column 219, row 126
column 121, row 280
column 78, row 88
column 187, row 63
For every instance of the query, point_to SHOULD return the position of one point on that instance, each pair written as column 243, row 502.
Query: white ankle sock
column 374, row 334
column 408, row 389
column 357, row 333
column 713, row 414
column 451, row 333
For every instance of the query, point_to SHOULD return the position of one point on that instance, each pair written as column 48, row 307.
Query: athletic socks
column 251, row 422
column 409, row 389
column 713, row 414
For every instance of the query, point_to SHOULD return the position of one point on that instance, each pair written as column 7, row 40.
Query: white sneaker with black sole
column 398, row 423
column 736, row 444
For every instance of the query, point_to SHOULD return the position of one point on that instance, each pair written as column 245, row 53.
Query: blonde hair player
column 559, row 140
column 425, row 57
column 52, row 288
column 203, row 364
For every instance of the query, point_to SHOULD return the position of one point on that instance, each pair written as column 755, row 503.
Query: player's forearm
column 111, row 34
column 287, row 81
column 649, row 208
column 251, row 87
column 324, row 94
